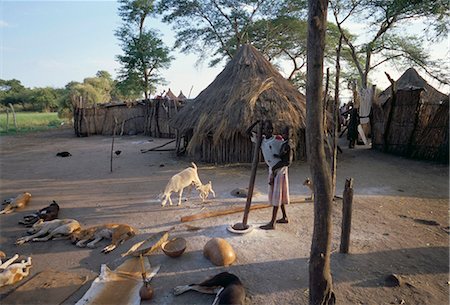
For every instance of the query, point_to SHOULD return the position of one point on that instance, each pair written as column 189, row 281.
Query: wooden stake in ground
column 347, row 203
column 7, row 120
column 320, row 280
column 14, row 115
column 112, row 144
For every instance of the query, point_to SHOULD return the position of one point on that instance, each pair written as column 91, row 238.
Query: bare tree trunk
column 320, row 281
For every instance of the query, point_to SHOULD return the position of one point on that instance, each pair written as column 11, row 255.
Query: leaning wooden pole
column 347, row 204
column 336, row 117
column 251, row 184
column 320, row 280
column 391, row 113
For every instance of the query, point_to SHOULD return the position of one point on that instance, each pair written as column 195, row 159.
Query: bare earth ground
column 392, row 195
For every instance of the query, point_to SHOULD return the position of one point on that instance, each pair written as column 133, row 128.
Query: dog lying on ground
column 11, row 273
column 118, row 233
column 204, row 190
column 227, row 287
column 46, row 214
column 57, row 228
column 16, row 203
column 308, row 183
column 178, row 182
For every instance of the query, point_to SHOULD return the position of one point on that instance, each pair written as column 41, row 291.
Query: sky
column 54, row 42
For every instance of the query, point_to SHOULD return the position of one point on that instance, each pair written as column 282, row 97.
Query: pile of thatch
column 415, row 122
column 248, row 89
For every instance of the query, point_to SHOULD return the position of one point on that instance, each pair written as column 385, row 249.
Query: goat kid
column 204, row 191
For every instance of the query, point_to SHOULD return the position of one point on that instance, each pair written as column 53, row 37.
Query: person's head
column 285, row 133
column 268, row 128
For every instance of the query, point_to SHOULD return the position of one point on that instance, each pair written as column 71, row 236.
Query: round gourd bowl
column 174, row 247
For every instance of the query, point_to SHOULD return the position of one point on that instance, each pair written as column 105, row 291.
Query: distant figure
column 352, row 132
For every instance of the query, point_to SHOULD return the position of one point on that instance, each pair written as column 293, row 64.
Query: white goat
column 178, row 182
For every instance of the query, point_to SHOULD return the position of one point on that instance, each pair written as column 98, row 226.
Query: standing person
column 352, row 132
column 271, row 147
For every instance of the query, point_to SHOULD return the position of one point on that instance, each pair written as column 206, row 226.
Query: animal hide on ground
column 118, row 287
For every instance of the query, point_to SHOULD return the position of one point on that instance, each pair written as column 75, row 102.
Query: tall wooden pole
column 320, row 281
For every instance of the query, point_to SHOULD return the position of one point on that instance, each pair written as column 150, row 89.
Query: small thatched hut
column 415, row 122
column 248, row 89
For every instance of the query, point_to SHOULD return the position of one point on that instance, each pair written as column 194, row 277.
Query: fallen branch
column 221, row 212
column 155, row 148
column 232, row 210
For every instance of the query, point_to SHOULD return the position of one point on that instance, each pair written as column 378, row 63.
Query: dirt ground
column 395, row 200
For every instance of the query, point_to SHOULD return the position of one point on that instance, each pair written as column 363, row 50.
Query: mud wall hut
column 412, row 120
column 249, row 88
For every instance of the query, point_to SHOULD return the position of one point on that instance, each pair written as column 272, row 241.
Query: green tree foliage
column 144, row 53
column 14, row 93
column 93, row 90
column 220, row 27
column 385, row 41
column 283, row 39
column 45, row 99
column 28, row 99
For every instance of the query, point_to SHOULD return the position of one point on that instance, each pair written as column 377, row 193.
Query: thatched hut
column 413, row 123
column 248, row 89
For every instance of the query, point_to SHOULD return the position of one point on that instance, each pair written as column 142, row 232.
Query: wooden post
column 325, row 100
column 251, row 184
column 112, row 144
column 391, row 112
column 7, row 120
column 14, row 115
column 347, row 203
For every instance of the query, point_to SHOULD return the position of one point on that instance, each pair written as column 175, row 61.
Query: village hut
column 170, row 95
column 181, row 97
column 412, row 119
column 248, row 89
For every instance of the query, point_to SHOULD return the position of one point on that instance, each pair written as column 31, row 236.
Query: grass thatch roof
column 249, row 88
column 411, row 80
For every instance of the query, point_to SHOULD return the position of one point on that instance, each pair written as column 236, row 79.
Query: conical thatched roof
column 169, row 94
column 181, row 96
column 411, row 80
column 249, row 88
